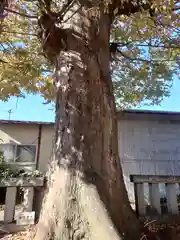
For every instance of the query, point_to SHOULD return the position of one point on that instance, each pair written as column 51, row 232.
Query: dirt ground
column 18, row 236
column 163, row 234
column 23, row 235
column 154, row 231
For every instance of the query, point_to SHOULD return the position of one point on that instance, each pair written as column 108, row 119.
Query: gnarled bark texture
column 86, row 196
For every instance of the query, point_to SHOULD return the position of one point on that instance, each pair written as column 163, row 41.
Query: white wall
column 145, row 146
column 19, row 134
column 28, row 134
column 149, row 147
column 46, row 148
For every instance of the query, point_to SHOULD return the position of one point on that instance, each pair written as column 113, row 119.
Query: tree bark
column 86, row 197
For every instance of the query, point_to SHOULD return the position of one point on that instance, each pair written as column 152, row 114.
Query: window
column 19, row 153
column 8, row 151
column 25, row 153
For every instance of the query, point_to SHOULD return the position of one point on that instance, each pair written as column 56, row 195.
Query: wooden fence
column 155, row 197
column 11, row 185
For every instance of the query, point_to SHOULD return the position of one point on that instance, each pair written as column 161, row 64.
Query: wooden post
column 37, row 202
column 10, row 203
column 154, row 196
column 172, row 198
column 139, row 198
column 28, row 199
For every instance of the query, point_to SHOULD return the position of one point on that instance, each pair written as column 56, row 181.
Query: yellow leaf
column 172, row 4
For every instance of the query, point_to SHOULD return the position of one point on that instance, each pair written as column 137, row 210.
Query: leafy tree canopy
column 145, row 53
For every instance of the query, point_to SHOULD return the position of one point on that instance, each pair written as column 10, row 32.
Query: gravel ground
column 18, row 236
column 24, row 235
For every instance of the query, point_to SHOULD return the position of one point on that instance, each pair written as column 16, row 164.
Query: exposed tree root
column 72, row 210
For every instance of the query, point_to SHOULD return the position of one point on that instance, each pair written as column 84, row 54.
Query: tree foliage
column 23, row 66
column 144, row 59
column 75, row 38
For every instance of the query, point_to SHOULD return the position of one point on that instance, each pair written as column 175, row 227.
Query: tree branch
column 133, row 59
column 114, row 49
column 121, row 44
column 21, row 33
column 176, row 8
column 145, row 60
column 19, row 13
column 128, row 7
column 55, row 39
column 65, row 8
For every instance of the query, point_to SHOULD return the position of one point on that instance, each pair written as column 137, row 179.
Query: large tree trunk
column 86, row 196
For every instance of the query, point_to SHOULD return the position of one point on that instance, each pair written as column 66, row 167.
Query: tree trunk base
column 72, row 210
